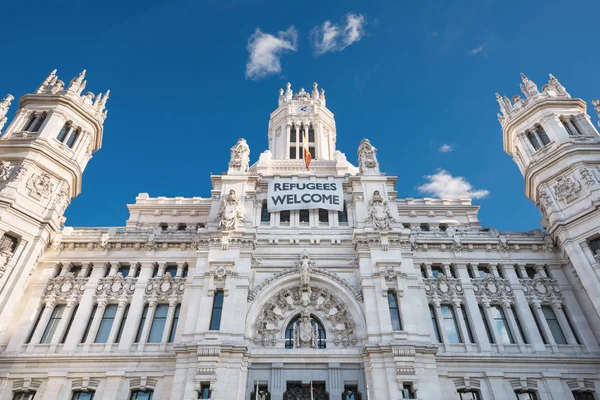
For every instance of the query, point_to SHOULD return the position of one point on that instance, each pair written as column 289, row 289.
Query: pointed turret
column 47, row 82
column 77, row 82
column 528, row 87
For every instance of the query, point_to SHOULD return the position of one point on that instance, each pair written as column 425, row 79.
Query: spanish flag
column 307, row 155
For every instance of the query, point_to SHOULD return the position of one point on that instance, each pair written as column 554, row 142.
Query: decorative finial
column 288, row 91
column 49, row 81
column 315, row 91
column 524, row 78
column 76, row 83
column 596, row 104
column 528, row 87
column 555, row 84
column 4, row 105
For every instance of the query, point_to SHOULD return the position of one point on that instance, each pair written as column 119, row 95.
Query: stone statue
column 305, row 265
column 379, row 213
column 367, row 157
column 230, row 212
column 288, row 92
column 240, row 156
column 305, row 334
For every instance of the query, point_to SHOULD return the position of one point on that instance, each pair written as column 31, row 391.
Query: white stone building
column 347, row 288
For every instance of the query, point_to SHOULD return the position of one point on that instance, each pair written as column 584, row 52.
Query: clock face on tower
column 303, row 109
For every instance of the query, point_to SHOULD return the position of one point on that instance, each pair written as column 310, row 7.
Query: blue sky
column 419, row 75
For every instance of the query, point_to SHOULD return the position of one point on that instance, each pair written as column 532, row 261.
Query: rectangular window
column 53, row 322
column 311, row 150
column 424, row 227
column 311, row 134
column 29, row 122
column 450, row 324
column 80, row 395
column 39, row 123
column 323, row 215
column 434, row 322
column 181, row 227
column 24, row 396
column 554, row 325
column 501, row 325
column 525, row 394
column 171, row 269
column 468, row 394
column 423, row 271
column 583, row 395
column 215, row 318
column 174, row 325
column 566, row 126
column 530, row 272
column 343, row 215
column 437, row 272
column 284, row 217
column 141, row 395
column 75, row 270
column 124, row 270
column 293, row 134
column 594, row 245
column 293, row 153
column 394, row 311
column 265, row 215
column 407, row 391
column 122, row 324
column 158, row 323
column 533, row 140
column 483, row 272
column 89, row 324
column 204, row 392
column 106, row 323
column 542, row 135
column 64, row 338
column 304, row 216
column 138, row 336
column 467, row 324
column 486, row 323
column 73, row 138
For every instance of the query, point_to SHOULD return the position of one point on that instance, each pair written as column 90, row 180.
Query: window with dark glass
column 284, row 216
column 186, row 269
column 164, row 227
column 122, row 324
column 394, row 311
column 265, row 215
column 294, row 325
column 155, row 271
column 542, row 135
column 24, row 396
column 470, row 272
column 467, row 324
column 73, row 138
column 483, row 271
column 575, row 334
column 124, row 270
column 486, row 324
column 437, row 272
column 293, row 153
column 424, row 227
column 141, row 395
column 468, row 394
column 140, row 331
column 70, row 324
column 106, row 323
column 501, row 325
column 53, row 322
column 81, row 395
column 323, row 215
column 554, row 325
column 39, row 123
column 75, row 270
column 434, row 322
column 526, row 394
column 172, row 270
column 450, row 324
column 204, row 392
column 158, row 323
column 89, row 324
column 311, row 134
column 350, row 392
column 530, row 272
column 29, row 123
column 304, row 216
column 174, row 325
column 565, row 122
column 343, row 215
column 594, row 245
column 533, row 140
column 217, row 310
column 408, row 391
column 443, row 227
column 181, row 227
column 578, row 395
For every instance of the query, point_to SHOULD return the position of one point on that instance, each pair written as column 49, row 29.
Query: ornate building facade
column 284, row 283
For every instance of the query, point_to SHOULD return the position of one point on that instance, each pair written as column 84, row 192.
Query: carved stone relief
column 379, row 213
column 566, row 188
column 40, row 186
column 540, row 288
column 116, row 287
column 230, row 212
column 443, row 289
column 493, row 289
column 367, row 157
column 587, row 177
column 165, row 287
column 240, row 156
column 66, row 287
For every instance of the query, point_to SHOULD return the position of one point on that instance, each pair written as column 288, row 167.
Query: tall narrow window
column 343, row 215
column 519, row 327
column 323, row 215
column 174, row 325
column 304, row 216
column 158, row 323
column 81, row 395
column 89, row 324
column 434, row 322
column 265, row 215
column 35, row 325
column 533, row 140
column 138, row 336
column 293, row 143
column 106, row 323
column 467, row 324
column 554, row 325
column 215, row 318
column 311, row 133
column 29, row 122
column 70, row 324
column 594, row 245
column 64, row 131
column 450, row 324
column 542, row 135
column 408, row 391
column 39, row 123
column 486, row 323
column 394, row 311
column 122, row 324
column 284, row 217
column 141, row 395
column 186, row 270
column 204, row 392
column 566, row 124
column 53, row 322
column 501, row 325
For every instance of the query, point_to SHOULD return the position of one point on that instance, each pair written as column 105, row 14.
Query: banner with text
column 287, row 194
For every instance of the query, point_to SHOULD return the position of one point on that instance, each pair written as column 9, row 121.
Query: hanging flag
column 307, row 155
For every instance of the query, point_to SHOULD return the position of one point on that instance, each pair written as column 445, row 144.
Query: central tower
column 297, row 115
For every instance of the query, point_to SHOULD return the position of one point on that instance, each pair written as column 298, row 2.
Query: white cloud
column 446, row 148
column 481, row 49
column 332, row 37
column 266, row 51
column 443, row 185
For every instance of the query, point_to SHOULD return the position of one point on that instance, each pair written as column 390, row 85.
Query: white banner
column 287, row 194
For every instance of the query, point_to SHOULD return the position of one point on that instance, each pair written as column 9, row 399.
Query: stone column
column 147, row 323
column 489, row 319
column 54, row 385
column 91, row 336
column 43, row 322
column 537, row 309
column 472, row 308
column 136, row 308
column 335, row 382
column 168, row 323
column 571, row 127
column 458, row 312
column 440, row 321
column 179, row 270
column 564, row 323
column 114, row 267
column 276, row 384
column 512, row 323
column 64, row 322
column 114, row 329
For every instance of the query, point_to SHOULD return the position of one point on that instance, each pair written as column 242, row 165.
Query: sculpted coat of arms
column 379, row 213
column 230, row 212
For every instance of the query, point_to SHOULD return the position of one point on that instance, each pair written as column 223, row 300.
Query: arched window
column 305, row 330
